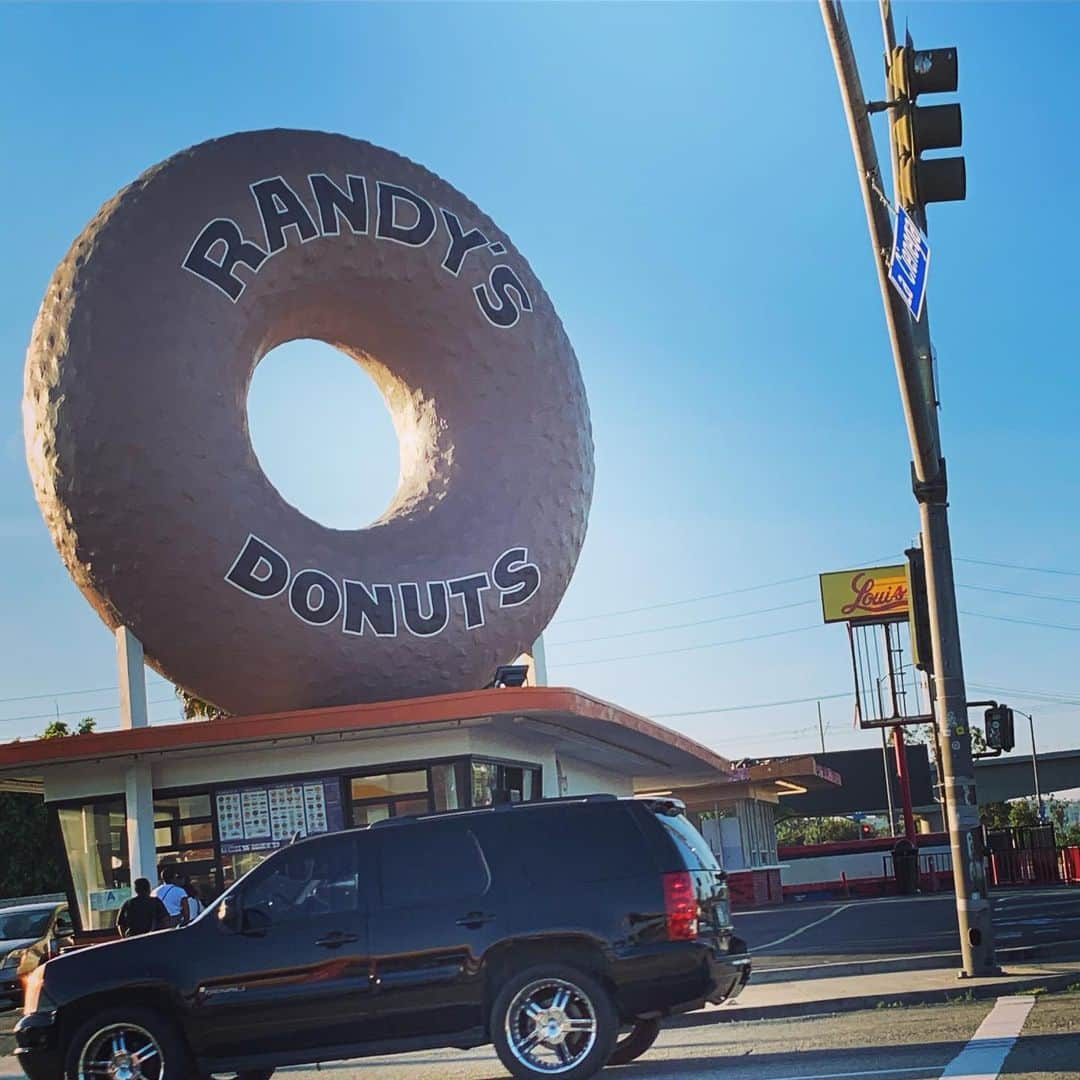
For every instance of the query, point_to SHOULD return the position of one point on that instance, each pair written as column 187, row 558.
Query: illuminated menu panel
column 264, row 816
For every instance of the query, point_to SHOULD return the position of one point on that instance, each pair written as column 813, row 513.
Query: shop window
column 234, row 865
column 397, row 783
column 95, row 838
column 436, row 865
column 376, row 798
column 182, row 820
column 449, row 785
column 494, row 783
column 181, row 807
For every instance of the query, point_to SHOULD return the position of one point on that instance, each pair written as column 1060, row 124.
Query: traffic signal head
column 924, row 71
column 999, row 728
column 926, row 127
column 866, row 831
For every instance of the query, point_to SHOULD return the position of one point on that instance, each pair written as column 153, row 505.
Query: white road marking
column 802, row 929
column 861, row 1072
column 985, row 1054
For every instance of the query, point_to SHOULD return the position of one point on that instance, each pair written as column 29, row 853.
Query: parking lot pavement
column 924, row 1043
column 849, row 930
column 887, row 1044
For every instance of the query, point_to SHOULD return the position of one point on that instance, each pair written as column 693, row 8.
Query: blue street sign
column 909, row 263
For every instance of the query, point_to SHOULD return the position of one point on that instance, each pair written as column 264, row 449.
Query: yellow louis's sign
column 880, row 592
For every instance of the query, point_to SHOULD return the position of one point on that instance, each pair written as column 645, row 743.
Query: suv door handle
column 335, row 939
column 475, row 919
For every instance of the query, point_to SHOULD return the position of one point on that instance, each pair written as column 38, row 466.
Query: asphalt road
column 901, row 1044
column 883, row 1044
column 872, row 929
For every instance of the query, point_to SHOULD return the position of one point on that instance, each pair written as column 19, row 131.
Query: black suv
column 560, row 931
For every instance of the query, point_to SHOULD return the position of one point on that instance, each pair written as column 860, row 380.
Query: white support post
column 138, row 782
column 139, row 795
column 129, row 661
column 539, row 663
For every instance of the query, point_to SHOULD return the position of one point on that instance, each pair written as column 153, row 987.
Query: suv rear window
column 695, row 852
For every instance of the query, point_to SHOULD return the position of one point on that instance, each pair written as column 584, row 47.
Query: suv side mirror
column 240, row 920
column 230, row 914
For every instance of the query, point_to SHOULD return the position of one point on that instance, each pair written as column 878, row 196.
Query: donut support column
column 137, row 440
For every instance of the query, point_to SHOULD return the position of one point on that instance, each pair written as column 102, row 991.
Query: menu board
column 230, row 819
column 264, row 816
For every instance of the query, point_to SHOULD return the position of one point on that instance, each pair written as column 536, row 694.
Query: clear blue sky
column 680, row 178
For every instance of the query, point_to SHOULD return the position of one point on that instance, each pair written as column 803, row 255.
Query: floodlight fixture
column 509, row 675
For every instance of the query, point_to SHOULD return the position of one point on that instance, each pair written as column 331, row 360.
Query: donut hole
column 322, row 431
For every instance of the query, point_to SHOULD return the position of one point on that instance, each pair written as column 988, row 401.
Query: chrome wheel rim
column 121, row 1052
column 551, row 1026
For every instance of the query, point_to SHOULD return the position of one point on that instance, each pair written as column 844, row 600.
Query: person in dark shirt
column 142, row 913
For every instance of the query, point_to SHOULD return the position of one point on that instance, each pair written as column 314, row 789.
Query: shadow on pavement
column 1037, row 1055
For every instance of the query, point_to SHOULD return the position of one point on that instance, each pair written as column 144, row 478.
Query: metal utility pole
column 888, row 782
column 820, row 727
column 915, row 376
column 1034, row 761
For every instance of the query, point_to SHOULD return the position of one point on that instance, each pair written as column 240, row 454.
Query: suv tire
column 554, row 1020
column 635, row 1042
column 123, row 1035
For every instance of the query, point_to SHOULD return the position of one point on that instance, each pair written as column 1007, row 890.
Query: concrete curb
column 1003, row 987
column 1056, row 950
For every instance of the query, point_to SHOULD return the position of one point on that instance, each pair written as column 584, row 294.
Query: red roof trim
column 442, row 708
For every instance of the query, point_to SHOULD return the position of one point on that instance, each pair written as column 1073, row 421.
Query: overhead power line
column 1027, row 595
column 77, row 712
column 1044, row 695
column 758, row 705
column 1017, row 566
column 713, row 596
column 683, row 626
column 71, row 693
column 691, row 648
column 1023, row 622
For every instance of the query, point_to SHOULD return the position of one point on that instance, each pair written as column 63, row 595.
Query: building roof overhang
column 770, row 780
column 577, row 724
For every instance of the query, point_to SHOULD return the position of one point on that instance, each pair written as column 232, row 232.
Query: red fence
column 1070, row 865
column 1022, row 856
column 1014, row 857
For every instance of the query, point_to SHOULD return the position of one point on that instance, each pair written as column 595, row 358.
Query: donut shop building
column 216, row 796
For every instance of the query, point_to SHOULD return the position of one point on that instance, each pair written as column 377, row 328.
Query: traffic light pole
column 930, row 487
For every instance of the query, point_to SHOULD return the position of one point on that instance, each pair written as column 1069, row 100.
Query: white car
column 29, row 935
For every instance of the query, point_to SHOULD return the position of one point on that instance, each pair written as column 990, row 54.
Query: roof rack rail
column 663, row 804
column 498, row 808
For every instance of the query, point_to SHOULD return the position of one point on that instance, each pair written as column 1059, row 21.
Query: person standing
column 169, row 893
column 142, row 912
column 191, row 906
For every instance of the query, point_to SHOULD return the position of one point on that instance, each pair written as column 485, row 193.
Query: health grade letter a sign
column 877, row 594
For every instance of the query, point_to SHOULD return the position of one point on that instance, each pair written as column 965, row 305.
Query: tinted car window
column 431, row 864
column 695, row 852
column 586, row 843
column 309, row 879
column 24, row 924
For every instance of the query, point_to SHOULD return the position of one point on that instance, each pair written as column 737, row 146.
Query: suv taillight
column 681, row 906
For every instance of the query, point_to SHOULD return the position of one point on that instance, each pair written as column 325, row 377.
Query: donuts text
column 423, row 609
column 401, row 217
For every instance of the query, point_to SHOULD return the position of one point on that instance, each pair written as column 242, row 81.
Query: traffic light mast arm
column 920, row 331
column 919, row 413
column 984, row 753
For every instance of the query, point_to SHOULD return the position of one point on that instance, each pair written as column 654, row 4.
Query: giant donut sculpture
column 137, row 438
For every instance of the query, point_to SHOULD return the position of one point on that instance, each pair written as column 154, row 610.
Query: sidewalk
column 850, row 993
